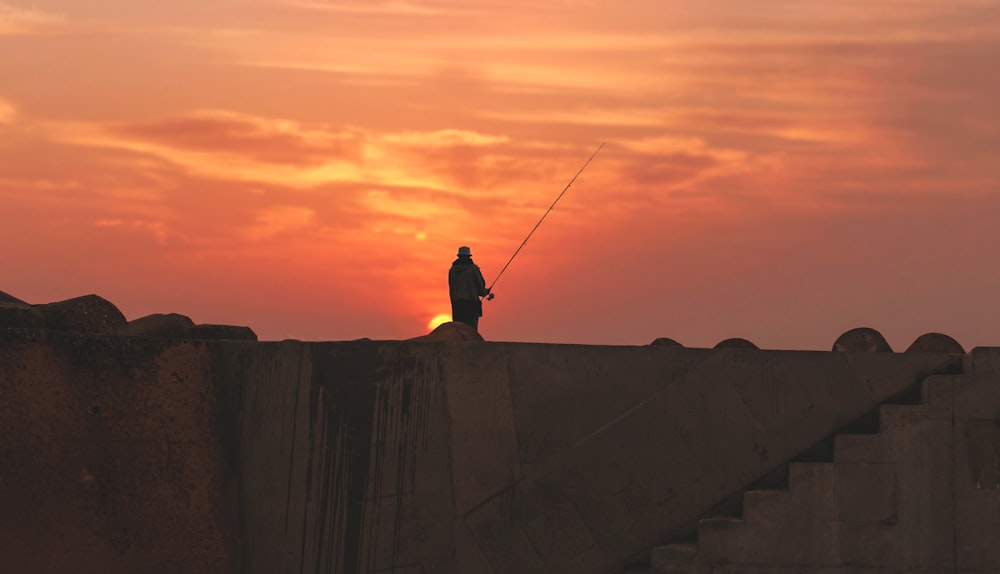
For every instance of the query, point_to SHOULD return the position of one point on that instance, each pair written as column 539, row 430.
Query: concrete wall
column 920, row 495
column 109, row 457
column 409, row 457
column 486, row 457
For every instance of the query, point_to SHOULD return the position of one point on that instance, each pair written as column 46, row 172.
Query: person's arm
column 483, row 291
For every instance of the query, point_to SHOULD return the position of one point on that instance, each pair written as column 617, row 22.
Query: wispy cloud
column 7, row 112
column 16, row 21
column 279, row 219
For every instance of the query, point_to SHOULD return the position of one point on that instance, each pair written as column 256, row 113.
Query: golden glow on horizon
column 437, row 321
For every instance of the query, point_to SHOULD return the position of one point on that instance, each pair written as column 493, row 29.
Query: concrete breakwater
column 127, row 454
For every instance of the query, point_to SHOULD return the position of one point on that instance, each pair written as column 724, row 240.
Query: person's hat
column 463, row 250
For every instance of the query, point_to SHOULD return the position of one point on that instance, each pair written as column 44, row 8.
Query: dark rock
column 665, row 342
column 168, row 326
column 452, row 331
column 222, row 333
column 8, row 298
column 87, row 314
column 20, row 316
column 935, row 343
column 862, row 339
column 736, row 343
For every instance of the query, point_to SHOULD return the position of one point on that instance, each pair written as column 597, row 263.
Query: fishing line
column 565, row 189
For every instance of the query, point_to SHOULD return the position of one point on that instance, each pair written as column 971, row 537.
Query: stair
column 846, row 512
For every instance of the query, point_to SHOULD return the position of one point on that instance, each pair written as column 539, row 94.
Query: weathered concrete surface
column 109, row 458
column 921, row 495
column 489, row 457
column 411, row 457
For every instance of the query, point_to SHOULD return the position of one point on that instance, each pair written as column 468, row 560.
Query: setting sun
column 437, row 321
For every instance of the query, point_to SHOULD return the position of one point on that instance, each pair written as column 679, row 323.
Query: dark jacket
column 465, row 280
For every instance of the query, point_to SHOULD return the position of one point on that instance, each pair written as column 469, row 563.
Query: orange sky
column 781, row 171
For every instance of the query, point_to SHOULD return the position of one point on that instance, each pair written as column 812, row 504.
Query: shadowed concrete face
column 109, row 456
column 473, row 457
column 455, row 457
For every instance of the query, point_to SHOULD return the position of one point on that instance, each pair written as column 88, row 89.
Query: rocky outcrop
column 862, row 339
column 167, row 326
column 222, row 333
column 87, row 314
column 95, row 315
column 935, row 343
column 8, row 298
column 736, row 343
column 453, row 331
column 15, row 314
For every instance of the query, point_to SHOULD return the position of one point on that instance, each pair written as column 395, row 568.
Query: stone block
column 167, row 326
column 15, row 315
column 86, row 314
column 222, row 333
column 451, row 331
column 8, row 298
column 935, row 343
column 862, row 339
column 735, row 343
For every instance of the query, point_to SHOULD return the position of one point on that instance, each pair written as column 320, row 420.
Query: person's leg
column 463, row 312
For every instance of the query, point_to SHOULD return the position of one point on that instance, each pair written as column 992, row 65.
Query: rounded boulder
column 935, row 343
column 736, row 343
column 451, row 331
column 162, row 325
column 20, row 316
column 87, row 314
column 862, row 339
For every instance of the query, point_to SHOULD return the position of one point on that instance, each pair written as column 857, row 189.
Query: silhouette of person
column 466, row 285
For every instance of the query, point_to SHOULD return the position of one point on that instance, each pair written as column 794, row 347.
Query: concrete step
column 759, row 505
column 892, row 418
column 716, row 533
column 938, row 393
column 804, row 478
column 981, row 360
column 674, row 559
column 858, row 448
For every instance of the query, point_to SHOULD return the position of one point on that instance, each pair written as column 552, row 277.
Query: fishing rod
column 518, row 250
